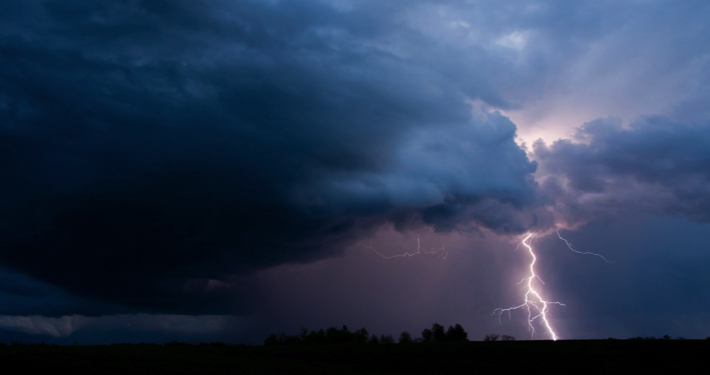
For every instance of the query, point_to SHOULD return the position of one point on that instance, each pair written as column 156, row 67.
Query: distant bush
column 386, row 339
column 332, row 335
column 496, row 337
column 491, row 337
column 313, row 337
column 272, row 339
column 665, row 337
column 405, row 338
column 177, row 343
column 214, row 343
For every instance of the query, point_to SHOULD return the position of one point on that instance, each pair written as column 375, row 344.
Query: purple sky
column 221, row 170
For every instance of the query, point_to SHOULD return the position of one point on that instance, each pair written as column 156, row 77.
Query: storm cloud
column 653, row 166
column 151, row 149
column 221, row 170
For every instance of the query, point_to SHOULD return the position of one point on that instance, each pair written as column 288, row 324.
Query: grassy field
column 434, row 358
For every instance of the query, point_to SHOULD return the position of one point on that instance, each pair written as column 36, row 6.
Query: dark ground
column 431, row 358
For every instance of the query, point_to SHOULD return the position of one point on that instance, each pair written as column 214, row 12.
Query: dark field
column 429, row 358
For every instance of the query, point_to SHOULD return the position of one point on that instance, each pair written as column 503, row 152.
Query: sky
column 221, row 170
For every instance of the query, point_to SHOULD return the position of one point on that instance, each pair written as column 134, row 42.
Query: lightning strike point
column 536, row 307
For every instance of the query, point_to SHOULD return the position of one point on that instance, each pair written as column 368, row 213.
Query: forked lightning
column 580, row 252
column 536, row 306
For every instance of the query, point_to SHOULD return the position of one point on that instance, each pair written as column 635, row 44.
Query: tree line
column 333, row 335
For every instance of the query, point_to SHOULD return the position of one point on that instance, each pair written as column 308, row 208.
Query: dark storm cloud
column 655, row 165
column 149, row 149
column 22, row 295
column 67, row 325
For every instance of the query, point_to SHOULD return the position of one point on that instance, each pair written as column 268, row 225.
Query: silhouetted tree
column 439, row 334
column 360, row 336
column 491, row 337
column 289, row 340
column 507, row 338
column 180, row 343
column 456, row 333
column 386, row 339
column 405, row 338
column 332, row 335
column 315, row 338
column 272, row 339
column 427, row 335
column 337, row 336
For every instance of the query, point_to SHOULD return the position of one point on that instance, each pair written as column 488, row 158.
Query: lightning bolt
column 407, row 254
column 579, row 252
column 536, row 306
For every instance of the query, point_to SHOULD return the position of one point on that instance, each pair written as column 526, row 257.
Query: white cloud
column 516, row 40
